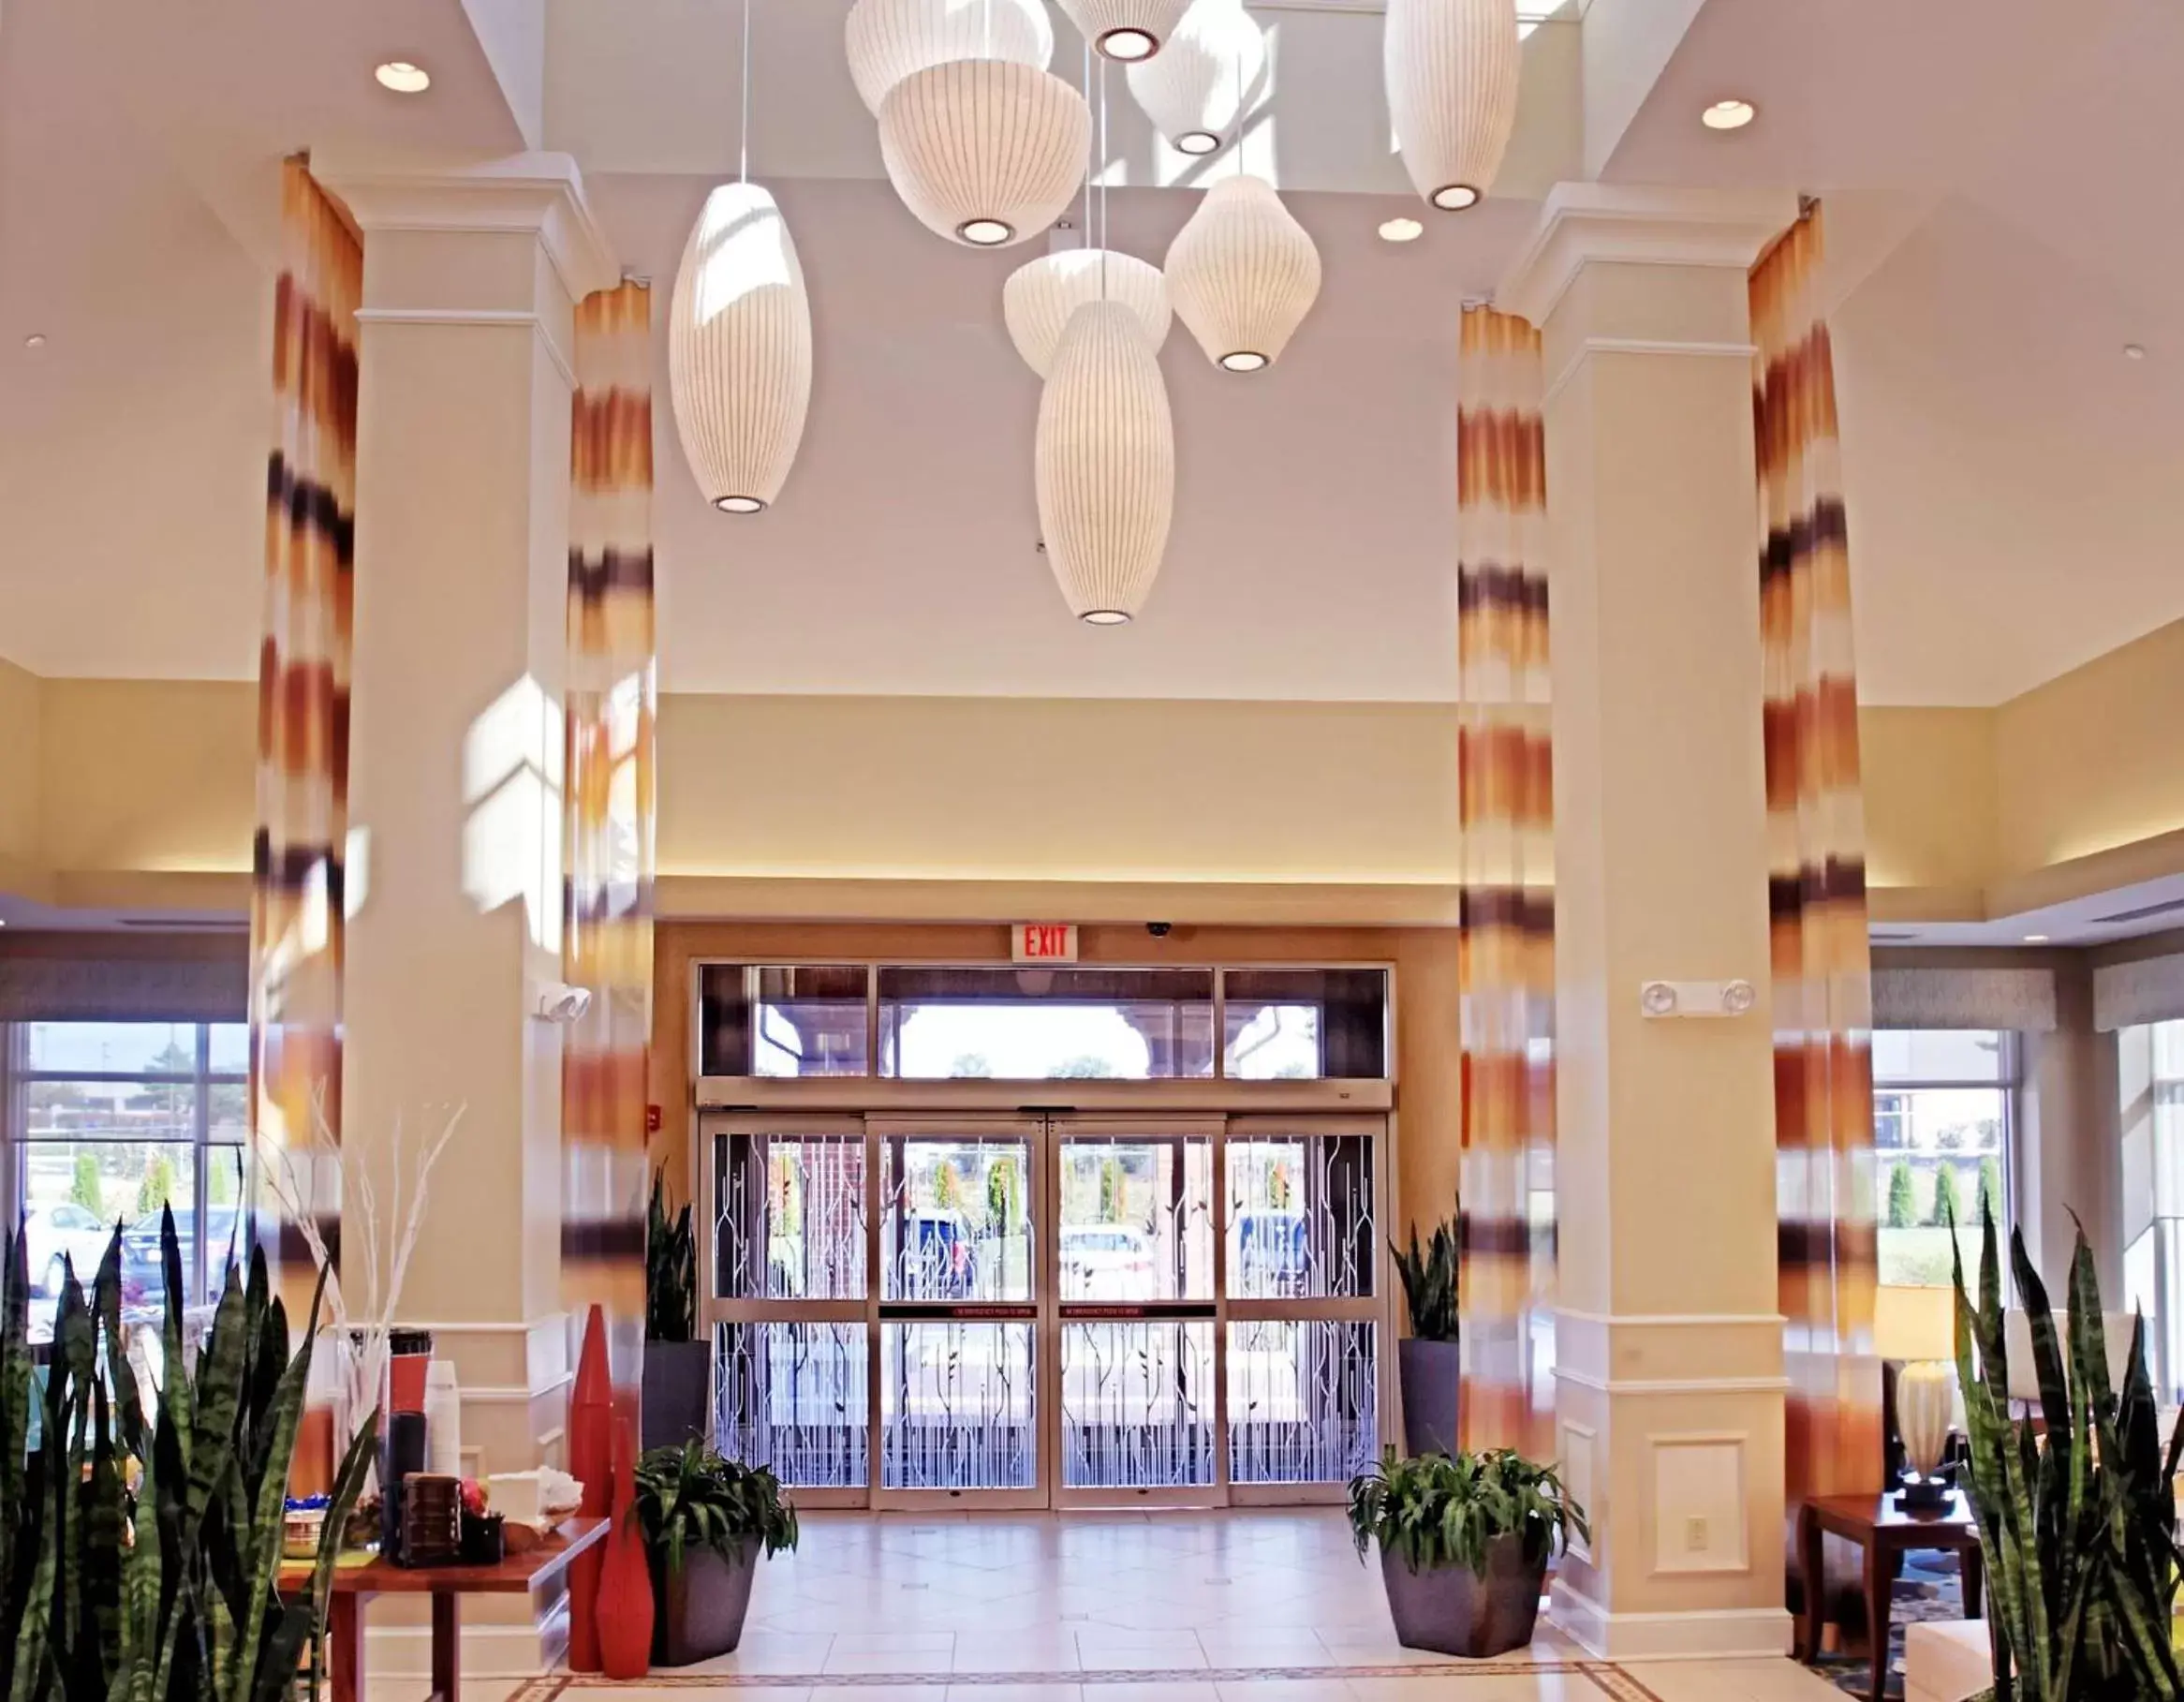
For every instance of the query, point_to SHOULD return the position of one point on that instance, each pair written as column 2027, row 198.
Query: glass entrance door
column 1048, row 1311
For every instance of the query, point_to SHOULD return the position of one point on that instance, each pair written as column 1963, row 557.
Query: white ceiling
column 2002, row 208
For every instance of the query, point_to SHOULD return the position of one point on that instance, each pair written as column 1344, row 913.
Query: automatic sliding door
column 786, row 1264
column 1136, row 1312
column 1304, row 1315
column 958, row 1314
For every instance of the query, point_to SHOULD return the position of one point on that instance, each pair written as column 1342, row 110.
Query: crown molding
column 540, row 194
column 1582, row 224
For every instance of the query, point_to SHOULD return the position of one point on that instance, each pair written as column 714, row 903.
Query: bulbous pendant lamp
column 1453, row 68
column 739, row 349
column 985, row 152
column 1126, row 29
column 1105, row 463
column 888, row 39
column 1204, row 79
column 1041, row 295
column 1242, row 275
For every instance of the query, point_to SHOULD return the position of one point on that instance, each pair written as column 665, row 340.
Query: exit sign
column 1044, row 942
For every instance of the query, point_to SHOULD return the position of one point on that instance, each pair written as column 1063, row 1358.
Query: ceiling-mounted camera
column 1159, row 931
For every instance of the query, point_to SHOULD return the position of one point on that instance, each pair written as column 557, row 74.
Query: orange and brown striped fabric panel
column 1505, row 768
column 297, row 888
column 1823, row 1087
column 608, row 839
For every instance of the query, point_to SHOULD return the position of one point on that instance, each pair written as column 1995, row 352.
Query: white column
column 470, row 278
column 1668, row 1403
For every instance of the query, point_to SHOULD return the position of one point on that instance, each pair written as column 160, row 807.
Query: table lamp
column 1917, row 1328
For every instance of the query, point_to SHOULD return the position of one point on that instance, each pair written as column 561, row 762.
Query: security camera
column 557, row 1003
column 1159, row 931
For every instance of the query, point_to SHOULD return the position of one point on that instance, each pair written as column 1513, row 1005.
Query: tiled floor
column 1239, row 1607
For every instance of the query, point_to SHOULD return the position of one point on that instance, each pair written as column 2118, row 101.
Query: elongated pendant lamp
column 1242, row 275
column 1126, row 29
column 1198, row 88
column 985, row 152
column 888, row 39
column 1453, row 68
column 739, row 349
column 1041, row 295
column 1105, row 463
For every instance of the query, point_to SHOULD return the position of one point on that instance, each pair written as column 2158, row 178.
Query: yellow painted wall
column 2092, row 760
column 21, row 704
column 1930, row 797
column 156, row 776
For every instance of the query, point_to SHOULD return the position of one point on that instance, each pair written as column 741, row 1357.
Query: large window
column 1941, row 1102
column 108, row 1122
column 2151, row 1078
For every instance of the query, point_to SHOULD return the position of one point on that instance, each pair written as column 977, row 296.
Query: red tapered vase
column 591, row 1462
column 626, row 1574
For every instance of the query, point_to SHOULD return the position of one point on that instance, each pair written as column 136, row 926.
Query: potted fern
column 677, row 1404
column 1429, row 1361
column 1465, row 1541
column 706, row 1522
column 2078, row 1524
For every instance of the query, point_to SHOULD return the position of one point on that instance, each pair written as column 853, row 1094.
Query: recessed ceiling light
column 1401, row 230
column 36, row 340
column 403, row 77
column 2036, row 939
column 2135, row 351
column 1728, row 115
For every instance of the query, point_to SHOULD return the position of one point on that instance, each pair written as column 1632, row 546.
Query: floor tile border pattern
column 1612, row 1680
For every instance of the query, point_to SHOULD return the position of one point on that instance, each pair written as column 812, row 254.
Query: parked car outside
column 938, row 1261
column 1273, row 1253
column 1106, row 1262
column 58, row 1235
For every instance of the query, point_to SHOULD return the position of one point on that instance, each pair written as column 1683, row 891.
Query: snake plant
column 139, row 1551
column 2078, row 1524
column 1430, row 1283
column 670, row 1268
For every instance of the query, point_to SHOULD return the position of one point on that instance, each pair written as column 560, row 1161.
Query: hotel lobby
column 1277, row 953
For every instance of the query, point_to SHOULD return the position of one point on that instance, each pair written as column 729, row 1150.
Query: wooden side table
column 1886, row 1532
column 353, row 1586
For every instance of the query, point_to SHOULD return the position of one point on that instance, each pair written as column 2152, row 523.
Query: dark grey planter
column 678, row 1394
column 1452, row 1610
column 702, row 1609
column 1433, row 1385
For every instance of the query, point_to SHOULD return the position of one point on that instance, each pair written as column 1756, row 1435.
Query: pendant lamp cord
column 744, row 116
column 1103, row 179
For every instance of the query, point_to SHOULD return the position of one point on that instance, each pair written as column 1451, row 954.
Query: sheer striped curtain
column 1824, row 1072
column 608, row 839
column 1507, row 814
column 304, row 710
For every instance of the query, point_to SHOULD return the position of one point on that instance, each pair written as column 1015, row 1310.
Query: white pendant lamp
column 1041, row 295
column 1198, row 88
column 1105, row 464
column 985, row 152
column 888, row 39
column 1126, row 29
column 1242, row 275
column 1453, row 68
column 739, row 349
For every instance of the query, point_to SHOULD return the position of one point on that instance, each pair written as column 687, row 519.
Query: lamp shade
column 739, row 349
column 1453, row 68
column 1242, row 274
column 1126, row 29
column 2116, row 1330
column 1105, row 464
column 1912, row 1323
column 1198, row 88
column 1040, row 296
column 985, row 152
column 888, row 39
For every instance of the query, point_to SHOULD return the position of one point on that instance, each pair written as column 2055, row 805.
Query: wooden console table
column 1887, row 1534
column 355, row 1585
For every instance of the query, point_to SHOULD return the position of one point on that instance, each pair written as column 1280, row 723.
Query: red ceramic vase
column 626, row 1574
column 591, row 1460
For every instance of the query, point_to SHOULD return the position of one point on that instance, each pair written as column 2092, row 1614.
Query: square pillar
column 463, row 483
column 1670, row 1375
